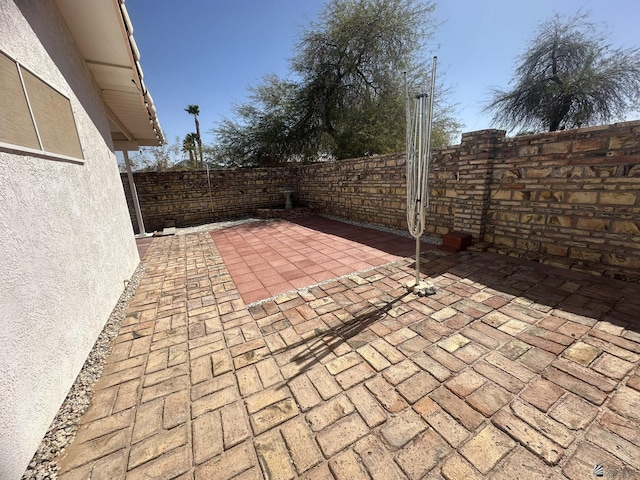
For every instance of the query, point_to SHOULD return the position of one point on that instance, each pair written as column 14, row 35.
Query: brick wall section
column 570, row 198
column 373, row 189
column 474, row 164
column 368, row 189
column 567, row 198
column 184, row 198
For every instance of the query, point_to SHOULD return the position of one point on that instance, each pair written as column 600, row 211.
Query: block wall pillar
column 474, row 171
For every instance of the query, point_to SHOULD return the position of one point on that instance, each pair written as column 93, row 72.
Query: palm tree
column 195, row 111
column 189, row 145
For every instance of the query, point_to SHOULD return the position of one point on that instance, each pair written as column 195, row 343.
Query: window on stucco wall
column 34, row 116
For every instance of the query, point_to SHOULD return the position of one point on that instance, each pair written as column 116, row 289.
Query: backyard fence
column 569, row 198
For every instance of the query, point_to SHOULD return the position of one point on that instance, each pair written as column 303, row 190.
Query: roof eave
column 104, row 34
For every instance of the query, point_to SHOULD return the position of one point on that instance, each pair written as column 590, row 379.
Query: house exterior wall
column 66, row 241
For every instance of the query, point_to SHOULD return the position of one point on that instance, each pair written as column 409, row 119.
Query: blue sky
column 207, row 52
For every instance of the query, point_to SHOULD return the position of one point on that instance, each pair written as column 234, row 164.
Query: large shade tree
column 351, row 63
column 347, row 99
column 568, row 77
column 264, row 131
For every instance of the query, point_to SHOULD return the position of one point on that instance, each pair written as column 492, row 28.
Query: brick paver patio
column 513, row 370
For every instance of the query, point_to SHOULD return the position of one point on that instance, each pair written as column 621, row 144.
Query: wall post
column 474, row 172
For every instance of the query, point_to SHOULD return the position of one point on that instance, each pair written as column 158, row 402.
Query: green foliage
column 266, row 130
column 189, row 145
column 155, row 159
column 569, row 77
column 348, row 96
column 178, row 156
column 195, row 111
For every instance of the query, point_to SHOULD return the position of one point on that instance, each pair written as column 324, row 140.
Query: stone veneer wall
column 568, row 198
column 373, row 189
column 368, row 189
column 185, row 199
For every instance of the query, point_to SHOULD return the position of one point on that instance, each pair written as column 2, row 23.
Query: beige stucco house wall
column 66, row 242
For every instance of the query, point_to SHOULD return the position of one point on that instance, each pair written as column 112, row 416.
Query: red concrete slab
column 283, row 255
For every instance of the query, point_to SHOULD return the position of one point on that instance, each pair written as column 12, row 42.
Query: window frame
column 42, row 150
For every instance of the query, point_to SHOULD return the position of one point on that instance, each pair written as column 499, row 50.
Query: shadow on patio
column 322, row 343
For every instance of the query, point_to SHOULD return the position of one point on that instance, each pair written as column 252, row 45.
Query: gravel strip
column 44, row 464
column 219, row 225
column 216, row 226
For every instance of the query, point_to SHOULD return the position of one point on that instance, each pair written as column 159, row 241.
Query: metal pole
column 209, row 183
column 420, row 101
column 424, row 197
column 418, row 158
column 417, row 260
column 134, row 195
column 430, row 126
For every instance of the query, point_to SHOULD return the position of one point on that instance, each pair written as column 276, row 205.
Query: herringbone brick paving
column 511, row 370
